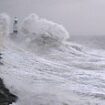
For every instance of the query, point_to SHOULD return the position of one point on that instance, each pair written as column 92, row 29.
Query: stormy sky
column 80, row 17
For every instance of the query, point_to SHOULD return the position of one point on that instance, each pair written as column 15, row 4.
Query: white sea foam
column 69, row 74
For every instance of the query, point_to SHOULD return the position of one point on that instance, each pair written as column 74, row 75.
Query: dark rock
column 1, row 63
column 6, row 97
column 0, row 57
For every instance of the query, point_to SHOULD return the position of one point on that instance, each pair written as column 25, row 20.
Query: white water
column 63, row 74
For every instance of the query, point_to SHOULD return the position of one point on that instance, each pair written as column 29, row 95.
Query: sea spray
column 4, row 27
column 39, row 34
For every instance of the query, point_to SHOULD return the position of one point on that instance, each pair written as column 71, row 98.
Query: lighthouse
column 15, row 25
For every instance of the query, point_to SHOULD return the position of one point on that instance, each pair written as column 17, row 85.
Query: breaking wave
column 65, row 73
column 38, row 34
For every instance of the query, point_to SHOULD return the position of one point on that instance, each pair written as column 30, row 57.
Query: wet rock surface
column 6, row 98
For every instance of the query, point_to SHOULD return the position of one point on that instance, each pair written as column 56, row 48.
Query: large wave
column 48, row 30
column 34, row 33
column 69, row 74
column 40, row 34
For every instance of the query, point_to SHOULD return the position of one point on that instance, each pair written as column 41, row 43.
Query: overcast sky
column 80, row 17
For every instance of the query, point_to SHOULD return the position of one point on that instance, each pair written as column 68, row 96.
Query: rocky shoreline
column 6, row 98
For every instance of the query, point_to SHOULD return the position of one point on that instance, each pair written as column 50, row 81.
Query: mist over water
column 93, row 42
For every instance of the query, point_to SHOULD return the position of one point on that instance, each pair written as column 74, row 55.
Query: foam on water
column 67, row 74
